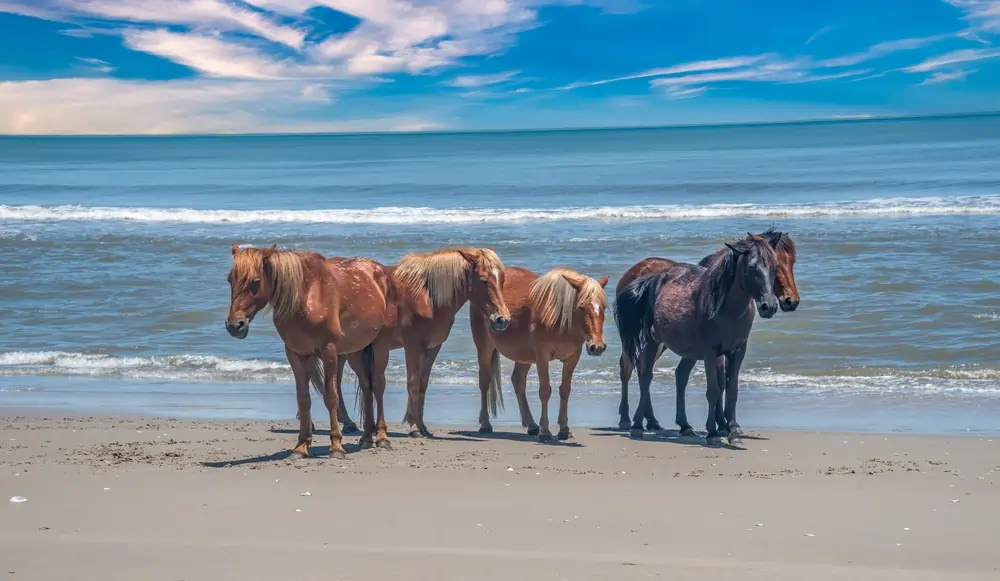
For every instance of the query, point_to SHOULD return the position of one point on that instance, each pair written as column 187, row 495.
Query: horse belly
column 514, row 347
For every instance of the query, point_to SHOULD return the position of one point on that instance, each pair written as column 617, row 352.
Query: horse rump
column 633, row 312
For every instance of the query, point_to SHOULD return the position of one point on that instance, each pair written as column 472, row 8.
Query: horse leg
column 302, row 398
column 357, row 363
column 484, row 354
column 544, row 393
column 681, row 376
column 625, row 369
column 520, row 380
column 349, row 426
column 380, row 360
column 332, row 399
column 715, row 372
column 412, row 354
column 651, row 421
column 565, row 385
column 426, row 364
column 733, row 364
column 645, row 368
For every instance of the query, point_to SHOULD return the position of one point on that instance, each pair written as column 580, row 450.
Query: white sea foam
column 425, row 215
column 955, row 380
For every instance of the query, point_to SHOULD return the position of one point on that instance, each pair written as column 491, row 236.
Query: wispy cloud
column 692, row 67
column 952, row 58
column 469, row 81
column 110, row 106
column 945, row 77
column 815, row 36
column 983, row 14
column 880, row 50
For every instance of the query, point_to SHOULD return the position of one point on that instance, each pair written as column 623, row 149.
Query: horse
column 322, row 310
column 699, row 313
column 553, row 316
column 432, row 288
column 788, row 299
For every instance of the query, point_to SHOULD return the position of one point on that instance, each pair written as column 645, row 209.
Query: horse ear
column 573, row 281
column 731, row 247
column 236, row 249
column 267, row 253
column 604, row 281
column 776, row 240
column 468, row 255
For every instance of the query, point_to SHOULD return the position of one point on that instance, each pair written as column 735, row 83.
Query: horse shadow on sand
column 515, row 437
column 675, row 437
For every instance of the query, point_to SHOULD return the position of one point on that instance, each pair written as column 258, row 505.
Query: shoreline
column 458, row 405
column 175, row 499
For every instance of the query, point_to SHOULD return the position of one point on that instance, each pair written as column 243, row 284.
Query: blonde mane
column 285, row 273
column 444, row 274
column 555, row 298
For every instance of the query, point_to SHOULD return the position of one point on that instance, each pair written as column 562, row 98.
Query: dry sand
column 177, row 500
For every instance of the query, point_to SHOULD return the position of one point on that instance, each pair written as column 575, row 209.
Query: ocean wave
column 988, row 316
column 425, row 215
column 956, row 380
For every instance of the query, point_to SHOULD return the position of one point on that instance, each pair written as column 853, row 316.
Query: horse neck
column 738, row 299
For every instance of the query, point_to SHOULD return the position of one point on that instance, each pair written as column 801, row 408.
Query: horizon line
column 845, row 119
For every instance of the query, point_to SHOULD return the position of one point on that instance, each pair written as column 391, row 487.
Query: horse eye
column 484, row 279
column 254, row 286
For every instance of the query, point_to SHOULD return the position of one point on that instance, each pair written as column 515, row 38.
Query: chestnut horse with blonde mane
column 552, row 317
column 785, row 254
column 432, row 288
column 322, row 310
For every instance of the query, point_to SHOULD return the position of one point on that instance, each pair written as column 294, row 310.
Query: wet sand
column 126, row 498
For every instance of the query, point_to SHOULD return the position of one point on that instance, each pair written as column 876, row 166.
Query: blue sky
column 220, row 66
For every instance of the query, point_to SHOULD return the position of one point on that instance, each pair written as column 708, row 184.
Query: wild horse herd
column 335, row 311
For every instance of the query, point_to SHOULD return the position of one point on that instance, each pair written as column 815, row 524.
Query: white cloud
column 954, row 57
column 945, row 77
column 692, row 67
column 880, row 50
column 470, row 81
column 685, row 92
column 108, row 106
column 983, row 14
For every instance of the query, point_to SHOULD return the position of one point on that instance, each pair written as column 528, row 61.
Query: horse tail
column 494, row 394
column 314, row 367
column 368, row 368
column 633, row 311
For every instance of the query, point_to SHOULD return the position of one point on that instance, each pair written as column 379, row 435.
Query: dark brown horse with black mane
column 788, row 299
column 699, row 313
column 323, row 310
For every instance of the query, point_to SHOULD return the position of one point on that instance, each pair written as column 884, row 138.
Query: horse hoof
column 486, row 430
column 366, row 444
column 635, row 433
column 624, row 425
column 349, row 429
column 713, row 440
column 533, row 431
column 416, row 434
column 298, row 455
column 383, row 444
column 654, row 426
column 565, row 435
column 338, row 455
column 545, row 437
column 688, row 431
column 426, row 433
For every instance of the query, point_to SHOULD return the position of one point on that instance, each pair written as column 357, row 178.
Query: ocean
column 116, row 250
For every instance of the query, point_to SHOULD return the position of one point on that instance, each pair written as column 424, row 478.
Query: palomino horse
column 322, row 310
column 788, row 299
column 432, row 288
column 699, row 313
column 552, row 317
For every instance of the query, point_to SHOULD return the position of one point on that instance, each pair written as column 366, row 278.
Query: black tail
column 633, row 312
column 368, row 368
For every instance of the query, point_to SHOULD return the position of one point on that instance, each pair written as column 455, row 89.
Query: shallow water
column 116, row 252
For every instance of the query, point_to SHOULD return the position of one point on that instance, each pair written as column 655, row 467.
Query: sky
column 264, row 66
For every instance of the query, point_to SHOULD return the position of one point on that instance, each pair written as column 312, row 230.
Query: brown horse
column 322, row 311
column 432, row 288
column 785, row 254
column 552, row 317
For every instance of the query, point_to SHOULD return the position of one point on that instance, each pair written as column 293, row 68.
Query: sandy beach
column 126, row 498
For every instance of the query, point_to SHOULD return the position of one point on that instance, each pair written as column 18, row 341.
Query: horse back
column 651, row 265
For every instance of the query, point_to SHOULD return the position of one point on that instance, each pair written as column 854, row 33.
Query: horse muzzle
column 788, row 304
column 239, row 329
column 499, row 324
column 596, row 349
column 767, row 309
